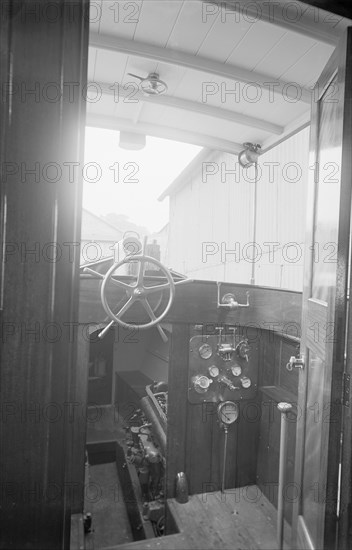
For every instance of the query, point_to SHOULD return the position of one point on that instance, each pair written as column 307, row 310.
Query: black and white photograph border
column 175, row 274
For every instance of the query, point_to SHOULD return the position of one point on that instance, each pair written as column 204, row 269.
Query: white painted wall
column 211, row 218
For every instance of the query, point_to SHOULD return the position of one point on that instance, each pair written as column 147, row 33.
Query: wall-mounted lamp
column 249, row 155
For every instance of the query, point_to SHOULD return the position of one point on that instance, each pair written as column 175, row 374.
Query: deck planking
column 238, row 519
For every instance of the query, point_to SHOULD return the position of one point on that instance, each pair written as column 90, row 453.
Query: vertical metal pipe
column 254, row 231
column 224, row 460
column 284, row 408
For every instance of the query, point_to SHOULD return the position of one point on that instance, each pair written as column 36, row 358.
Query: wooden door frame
column 338, row 60
column 37, row 290
column 345, row 517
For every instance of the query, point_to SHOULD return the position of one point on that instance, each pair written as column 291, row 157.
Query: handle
column 229, row 301
column 295, row 363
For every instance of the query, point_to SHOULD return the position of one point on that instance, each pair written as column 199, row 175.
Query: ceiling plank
column 115, row 123
column 165, row 55
column 278, row 13
column 124, row 92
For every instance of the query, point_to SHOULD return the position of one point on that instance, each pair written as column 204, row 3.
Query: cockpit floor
column 239, row 519
column 104, row 500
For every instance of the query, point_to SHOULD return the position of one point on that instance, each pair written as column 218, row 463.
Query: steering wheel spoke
column 151, row 314
column 140, row 275
column 125, row 307
column 148, row 309
column 120, row 284
column 155, row 288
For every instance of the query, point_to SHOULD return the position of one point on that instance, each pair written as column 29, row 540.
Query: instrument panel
column 222, row 366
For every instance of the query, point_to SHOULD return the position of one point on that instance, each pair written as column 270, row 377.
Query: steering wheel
column 138, row 292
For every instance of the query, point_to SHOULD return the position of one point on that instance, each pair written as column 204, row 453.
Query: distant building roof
column 95, row 228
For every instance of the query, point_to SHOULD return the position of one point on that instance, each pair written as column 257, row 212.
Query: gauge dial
column 246, row 382
column 228, row 412
column 214, row 371
column 236, row 370
column 201, row 383
column 205, row 351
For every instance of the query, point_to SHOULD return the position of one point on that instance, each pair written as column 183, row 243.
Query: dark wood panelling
column 278, row 384
column 156, row 363
column 318, row 332
column 130, row 388
column 247, row 443
column 275, row 352
column 40, row 288
column 202, row 439
column 100, row 374
column 268, row 454
column 345, row 523
column 196, row 302
column 286, row 379
column 177, row 406
column 198, row 448
column 79, row 429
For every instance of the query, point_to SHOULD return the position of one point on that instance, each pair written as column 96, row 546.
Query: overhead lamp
column 249, row 155
column 151, row 85
column 132, row 141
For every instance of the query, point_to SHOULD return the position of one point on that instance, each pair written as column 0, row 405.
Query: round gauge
column 228, row 412
column 236, row 370
column 246, row 382
column 201, row 383
column 213, row 371
column 205, row 351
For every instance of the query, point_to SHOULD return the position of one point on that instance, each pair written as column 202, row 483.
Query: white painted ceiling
column 236, row 51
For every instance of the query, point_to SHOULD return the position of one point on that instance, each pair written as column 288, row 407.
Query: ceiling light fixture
column 132, row 141
column 151, row 85
column 249, row 155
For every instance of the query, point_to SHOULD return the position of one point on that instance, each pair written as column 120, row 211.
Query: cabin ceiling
column 221, row 62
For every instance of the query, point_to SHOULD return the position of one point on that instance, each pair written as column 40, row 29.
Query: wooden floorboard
column 239, row 519
column 77, row 532
column 171, row 542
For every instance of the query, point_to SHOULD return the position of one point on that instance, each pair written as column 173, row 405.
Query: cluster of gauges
column 206, row 351
column 220, row 368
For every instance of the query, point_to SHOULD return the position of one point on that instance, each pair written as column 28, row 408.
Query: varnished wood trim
column 177, row 407
column 317, row 328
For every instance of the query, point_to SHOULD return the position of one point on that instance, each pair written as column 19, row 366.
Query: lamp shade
column 249, row 155
column 132, row 141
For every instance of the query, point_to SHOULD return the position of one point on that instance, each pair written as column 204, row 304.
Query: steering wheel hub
column 138, row 292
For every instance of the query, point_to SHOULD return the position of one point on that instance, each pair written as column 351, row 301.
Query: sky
column 130, row 182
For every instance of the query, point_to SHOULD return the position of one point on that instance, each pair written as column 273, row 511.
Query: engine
column 146, row 447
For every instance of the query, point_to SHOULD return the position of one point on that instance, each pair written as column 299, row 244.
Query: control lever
column 242, row 349
column 225, row 349
column 227, row 383
column 229, row 301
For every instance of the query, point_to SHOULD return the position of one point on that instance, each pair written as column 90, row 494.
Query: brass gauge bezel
column 214, row 371
column 205, row 351
column 236, row 370
column 246, row 382
column 228, row 412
